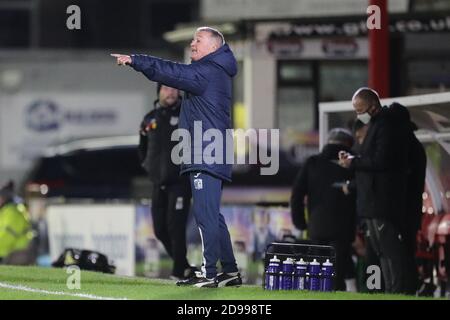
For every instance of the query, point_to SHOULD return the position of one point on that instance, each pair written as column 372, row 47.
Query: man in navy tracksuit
column 207, row 82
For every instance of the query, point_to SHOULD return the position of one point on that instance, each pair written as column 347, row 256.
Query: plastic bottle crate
column 305, row 249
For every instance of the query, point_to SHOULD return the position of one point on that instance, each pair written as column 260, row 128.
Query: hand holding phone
column 345, row 155
column 345, row 159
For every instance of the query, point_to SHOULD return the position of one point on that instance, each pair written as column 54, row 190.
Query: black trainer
column 198, row 280
column 229, row 279
column 188, row 273
column 206, row 283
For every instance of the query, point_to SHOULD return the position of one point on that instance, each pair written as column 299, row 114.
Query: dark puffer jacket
column 208, row 84
column 331, row 212
column 155, row 145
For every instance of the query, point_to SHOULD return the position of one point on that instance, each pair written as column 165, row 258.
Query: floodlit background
column 69, row 116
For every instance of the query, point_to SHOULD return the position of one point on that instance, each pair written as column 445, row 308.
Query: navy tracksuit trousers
column 216, row 242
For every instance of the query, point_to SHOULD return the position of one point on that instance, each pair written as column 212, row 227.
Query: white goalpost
column 431, row 113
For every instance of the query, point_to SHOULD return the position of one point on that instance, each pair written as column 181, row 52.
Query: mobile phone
column 338, row 185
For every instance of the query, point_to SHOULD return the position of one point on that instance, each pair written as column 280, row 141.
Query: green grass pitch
column 50, row 283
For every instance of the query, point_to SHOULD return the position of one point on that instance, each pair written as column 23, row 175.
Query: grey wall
column 70, row 72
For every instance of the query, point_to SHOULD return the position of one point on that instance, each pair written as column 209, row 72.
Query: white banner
column 258, row 9
column 30, row 122
column 108, row 229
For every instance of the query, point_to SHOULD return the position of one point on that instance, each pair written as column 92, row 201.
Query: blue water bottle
column 300, row 275
column 287, row 274
column 327, row 276
column 314, row 275
column 272, row 274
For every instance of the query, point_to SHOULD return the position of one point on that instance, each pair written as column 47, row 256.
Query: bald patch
column 216, row 36
column 367, row 95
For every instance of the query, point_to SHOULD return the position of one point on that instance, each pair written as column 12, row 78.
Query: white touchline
column 56, row 293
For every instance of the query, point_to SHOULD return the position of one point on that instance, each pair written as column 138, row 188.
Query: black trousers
column 372, row 258
column 385, row 240
column 344, row 267
column 170, row 210
column 412, row 276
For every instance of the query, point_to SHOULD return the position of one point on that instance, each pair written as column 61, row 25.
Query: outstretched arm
column 176, row 75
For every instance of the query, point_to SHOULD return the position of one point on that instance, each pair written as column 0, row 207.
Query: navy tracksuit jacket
column 208, row 86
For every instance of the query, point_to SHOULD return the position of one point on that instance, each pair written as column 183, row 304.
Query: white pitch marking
column 56, row 293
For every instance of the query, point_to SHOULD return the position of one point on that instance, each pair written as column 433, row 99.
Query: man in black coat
column 417, row 163
column 381, row 177
column 171, row 195
column 331, row 219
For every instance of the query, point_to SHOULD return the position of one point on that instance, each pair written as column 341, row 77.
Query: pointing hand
column 122, row 59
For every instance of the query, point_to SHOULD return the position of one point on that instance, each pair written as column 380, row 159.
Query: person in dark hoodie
column 207, row 83
column 332, row 213
column 171, row 193
column 417, row 163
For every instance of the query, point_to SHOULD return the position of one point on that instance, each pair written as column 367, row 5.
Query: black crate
column 304, row 249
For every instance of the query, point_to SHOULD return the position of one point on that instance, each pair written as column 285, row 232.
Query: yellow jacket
column 15, row 228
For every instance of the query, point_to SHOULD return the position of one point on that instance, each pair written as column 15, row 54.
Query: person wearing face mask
column 381, row 182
